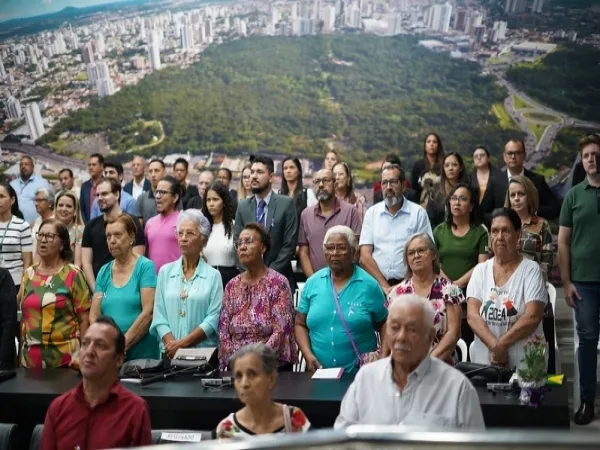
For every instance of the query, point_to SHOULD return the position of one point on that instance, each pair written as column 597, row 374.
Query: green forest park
column 368, row 94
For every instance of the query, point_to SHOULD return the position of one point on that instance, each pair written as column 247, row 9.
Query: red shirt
column 123, row 420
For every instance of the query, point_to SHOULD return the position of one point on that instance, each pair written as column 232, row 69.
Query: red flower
column 298, row 419
column 227, row 425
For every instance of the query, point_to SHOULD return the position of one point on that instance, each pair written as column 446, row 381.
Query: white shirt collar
column 510, row 176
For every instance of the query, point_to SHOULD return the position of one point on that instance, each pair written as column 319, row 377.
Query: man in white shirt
column 386, row 228
column 139, row 183
column 410, row 387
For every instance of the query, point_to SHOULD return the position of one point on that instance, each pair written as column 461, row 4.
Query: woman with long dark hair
column 428, row 169
column 218, row 208
column 453, row 172
column 15, row 235
column 292, row 185
column 490, row 181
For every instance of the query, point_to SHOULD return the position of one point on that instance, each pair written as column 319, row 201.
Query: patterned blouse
column 261, row 312
column 536, row 243
column 51, row 307
column 230, row 428
column 443, row 293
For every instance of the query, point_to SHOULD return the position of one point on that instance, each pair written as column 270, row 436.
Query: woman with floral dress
column 255, row 376
column 55, row 300
column 423, row 278
column 257, row 304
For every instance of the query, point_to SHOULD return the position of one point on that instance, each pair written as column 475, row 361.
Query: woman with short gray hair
column 255, row 371
column 189, row 292
column 423, row 278
column 44, row 206
column 341, row 308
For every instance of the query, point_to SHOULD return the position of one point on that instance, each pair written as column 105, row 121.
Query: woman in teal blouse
column 125, row 289
column 189, row 292
column 321, row 336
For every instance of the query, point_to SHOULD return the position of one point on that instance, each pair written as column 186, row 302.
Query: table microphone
column 167, row 375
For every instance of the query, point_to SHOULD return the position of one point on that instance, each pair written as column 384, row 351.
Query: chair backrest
column 552, row 296
column 471, row 355
column 8, row 436
column 36, row 437
column 462, row 346
column 298, row 294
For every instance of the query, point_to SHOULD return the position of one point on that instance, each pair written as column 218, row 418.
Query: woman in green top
column 125, row 290
column 461, row 239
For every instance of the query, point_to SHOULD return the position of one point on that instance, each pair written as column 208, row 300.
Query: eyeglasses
column 245, row 241
column 513, row 154
column 394, row 182
column 161, row 192
column 461, row 199
column 417, row 252
column 336, row 248
column 48, row 237
column 479, row 155
column 318, row 181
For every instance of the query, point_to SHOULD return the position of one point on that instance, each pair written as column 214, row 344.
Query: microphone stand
column 170, row 374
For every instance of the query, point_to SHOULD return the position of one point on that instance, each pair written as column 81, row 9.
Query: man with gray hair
column 44, row 206
column 25, row 186
column 410, row 387
column 317, row 219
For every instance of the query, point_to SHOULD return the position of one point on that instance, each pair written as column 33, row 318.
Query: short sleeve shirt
column 15, row 239
column 502, row 306
column 459, row 254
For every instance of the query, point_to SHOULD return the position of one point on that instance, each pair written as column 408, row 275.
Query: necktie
column 260, row 214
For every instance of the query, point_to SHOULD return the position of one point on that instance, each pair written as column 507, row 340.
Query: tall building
column 473, row 21
column 460, row 20
column 202, row 33
column 394, row 22
column 13, row 108
column 154, row 51
column 100, row 44
column 2, row 70
column 243, row 28
column 187, row 37
column 498, row 31
column 88, row 53
column 105, row 87
column 438, row 17
column 294, row 13
column 274, row 17
column 34, row 121
column 329, row 19
column 515, row 6
column 537, row 6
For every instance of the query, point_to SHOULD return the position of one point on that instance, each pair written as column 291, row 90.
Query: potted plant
column 532, row 373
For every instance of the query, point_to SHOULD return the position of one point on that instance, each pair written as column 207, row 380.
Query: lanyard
column 5, row 230
column 341, row 316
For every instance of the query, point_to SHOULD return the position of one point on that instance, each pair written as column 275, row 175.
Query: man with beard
column 99, row 412
column 276, row 213
column 386, row 228
column 94, row 248
column 317, row 219
column 26, row 186
column 397, row 390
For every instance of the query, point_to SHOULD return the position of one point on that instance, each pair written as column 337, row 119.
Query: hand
column 74, row 363
column 312, row 363
column 171, row 348
column 571, row 294
column 499, row 355
column 386, row 289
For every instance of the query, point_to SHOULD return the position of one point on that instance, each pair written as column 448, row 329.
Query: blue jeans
column 587, row 314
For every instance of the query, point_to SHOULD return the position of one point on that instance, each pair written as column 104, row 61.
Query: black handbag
column 137, row 368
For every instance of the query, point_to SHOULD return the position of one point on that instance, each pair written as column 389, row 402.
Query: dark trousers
column 587, row 315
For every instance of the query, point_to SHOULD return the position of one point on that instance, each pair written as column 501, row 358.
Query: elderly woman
column 67, row 211
column 55, row 300
column 189, row 292
column 255, row 377
column 341, row 308
column 15, row 240
column 535, row 241
column 506, row 297
column 423, row 278
column 257, row 304
column 125, row 289
column 461, row 240
column 44, row 206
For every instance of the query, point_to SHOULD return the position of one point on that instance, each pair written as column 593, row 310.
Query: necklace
column 184, row 293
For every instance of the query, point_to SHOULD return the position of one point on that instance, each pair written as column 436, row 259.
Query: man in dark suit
column 88, row 189
column 276, row 213
column 139, row 183
column 514, row 158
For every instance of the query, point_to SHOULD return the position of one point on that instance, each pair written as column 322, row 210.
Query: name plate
column 181, row 437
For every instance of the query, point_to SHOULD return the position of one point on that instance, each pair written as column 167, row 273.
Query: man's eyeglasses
column 48, row 237
column 161, row 192
column 318, row 181
column 513, row 154
column 394, row 183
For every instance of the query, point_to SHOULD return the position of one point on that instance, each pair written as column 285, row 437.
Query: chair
column 298, row 294
column 552, row 298
column 36, row 437
column 471, row 351
column 8, row 436
column 462, row 346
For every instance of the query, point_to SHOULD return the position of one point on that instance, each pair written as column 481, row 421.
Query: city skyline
column 23, row 9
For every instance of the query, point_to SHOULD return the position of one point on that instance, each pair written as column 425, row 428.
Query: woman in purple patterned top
column 423, row 278
column 257, row 304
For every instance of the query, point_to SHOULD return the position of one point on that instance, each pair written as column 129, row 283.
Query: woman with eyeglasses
column 245, row 189
column 189, row 292
column 55, row 300
column 15, row 235
column 257, row 304
column 490, row 182
column 67, row 211
column 461, row 240
column 125, row 289
column 424, row 278
column 344, row 188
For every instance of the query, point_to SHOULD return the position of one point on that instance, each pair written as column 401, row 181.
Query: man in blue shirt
column 127, row 202
column 386, row 228
column 25, row 187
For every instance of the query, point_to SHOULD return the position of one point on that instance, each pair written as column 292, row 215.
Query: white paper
column 181, row 437
column 131, row 380
column 328, row 374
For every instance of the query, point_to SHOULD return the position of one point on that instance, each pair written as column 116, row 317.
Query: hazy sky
column 12, row 9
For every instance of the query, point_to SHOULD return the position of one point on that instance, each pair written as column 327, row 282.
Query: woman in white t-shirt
column 218, row 208
column 506, row 297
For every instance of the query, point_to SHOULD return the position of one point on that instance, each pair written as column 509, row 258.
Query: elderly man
column 410, row 387
column 26, row 186
column 119, row 417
